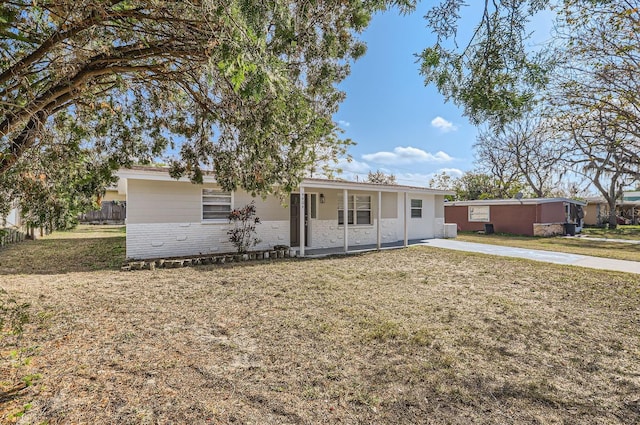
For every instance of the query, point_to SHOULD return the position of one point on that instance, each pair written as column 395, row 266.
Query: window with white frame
column 416, row 208
column 216, row 204
column 358, row 209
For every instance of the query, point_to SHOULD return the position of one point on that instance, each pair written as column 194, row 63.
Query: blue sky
column 400, row 126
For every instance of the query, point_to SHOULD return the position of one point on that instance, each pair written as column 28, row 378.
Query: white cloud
column 419, row 179
column 408, row 155
column 349, row 170
column 413, row 179
column 453, row 172
column 357, row 171
column 353, row 166
column 444, row 125
column 343, row 123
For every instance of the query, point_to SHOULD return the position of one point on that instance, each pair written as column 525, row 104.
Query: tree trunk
column 613, row 219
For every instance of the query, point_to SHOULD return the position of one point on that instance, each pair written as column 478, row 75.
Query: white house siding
column 157, row 240
column 269, row 209
column 424, row 227
column 438, row 206
column 439, row 223
column 150, row 201
column 165, row 220
column 11, row 220
column 390, row 203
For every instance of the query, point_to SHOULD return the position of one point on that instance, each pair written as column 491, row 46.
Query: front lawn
column 416, row 335
column 573, row 245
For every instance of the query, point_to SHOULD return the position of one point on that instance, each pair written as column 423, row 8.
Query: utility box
column 570, row 229
column 488, row 229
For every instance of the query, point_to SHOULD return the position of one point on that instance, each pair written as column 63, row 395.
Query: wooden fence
column 111, row 212
column 8, row 236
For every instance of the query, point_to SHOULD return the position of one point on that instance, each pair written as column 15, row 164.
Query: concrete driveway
column 538, row 255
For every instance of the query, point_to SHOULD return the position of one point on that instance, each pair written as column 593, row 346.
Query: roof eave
column 160, row 174
column 530, row 201
column 339, row 184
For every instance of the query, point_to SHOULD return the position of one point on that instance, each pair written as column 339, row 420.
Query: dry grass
column 582, row 246
column 406, row 336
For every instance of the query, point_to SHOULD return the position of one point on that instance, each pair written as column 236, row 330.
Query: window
column 216, row 204
column 416, row 208
column 341, row 209
column 358, row 209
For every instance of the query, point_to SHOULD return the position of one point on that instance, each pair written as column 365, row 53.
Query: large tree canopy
column 244, row 88
column 585, row 87
column 492, row 75
column 247, row 88
column 496, row 75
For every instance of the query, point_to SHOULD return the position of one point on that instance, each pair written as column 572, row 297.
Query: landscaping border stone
column 173, row 263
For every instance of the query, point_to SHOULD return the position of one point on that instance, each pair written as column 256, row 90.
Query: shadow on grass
column 86, row 231
column 56, row 255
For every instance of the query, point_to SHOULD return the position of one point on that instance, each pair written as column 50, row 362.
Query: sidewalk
column 538, row 255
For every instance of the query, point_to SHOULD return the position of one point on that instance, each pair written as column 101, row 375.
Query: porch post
column 406, row 213
column 379, row 214
column 345, row 218
column 302, row 222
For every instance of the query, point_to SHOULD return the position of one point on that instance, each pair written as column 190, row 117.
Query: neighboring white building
column 168, row 217
column 12, row 220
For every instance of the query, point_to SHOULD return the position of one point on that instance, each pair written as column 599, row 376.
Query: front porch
column 331, row 217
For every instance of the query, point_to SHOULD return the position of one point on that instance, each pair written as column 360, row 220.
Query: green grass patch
column 620, row 232
column 572, row 245
column 87, row 248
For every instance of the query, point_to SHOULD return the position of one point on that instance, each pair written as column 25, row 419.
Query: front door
column 294, row 209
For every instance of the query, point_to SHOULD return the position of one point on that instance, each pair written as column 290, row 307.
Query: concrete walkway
column 537, row 255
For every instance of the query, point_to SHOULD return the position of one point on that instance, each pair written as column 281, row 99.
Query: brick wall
column 155, row 240
column 548, row 229
column 327, row 233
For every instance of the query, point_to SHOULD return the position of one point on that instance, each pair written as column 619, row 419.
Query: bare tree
column 380, row 177
column 600, row 153
column 525, row 150
column 596, row 93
